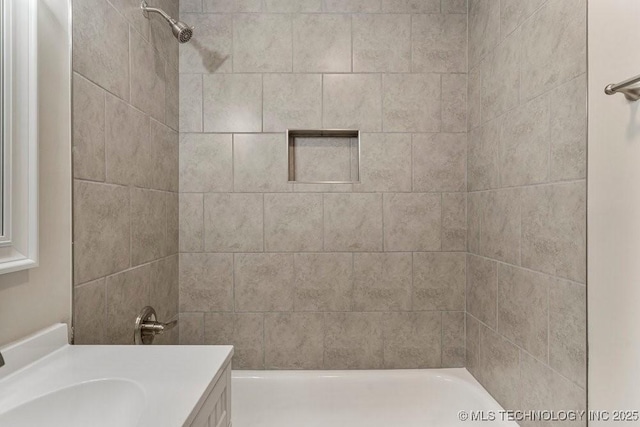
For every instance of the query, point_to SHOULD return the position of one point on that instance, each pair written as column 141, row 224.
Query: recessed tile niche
column 324, row 156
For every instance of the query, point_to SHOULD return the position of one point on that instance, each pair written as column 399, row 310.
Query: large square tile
column 385, row 161
column 382, row 282
column 294, row 340
column 353, row 341
column 381, row 43
column 232, row 102
column 523, row 311
column 233, row 222
column 88, row 130
column 554, row 230
column 352, row 101
column 206, row 163
column 439, row 281
column 324, row 281
column 101, row 45
column 206, row 282
column 554, row 46
column 411, row 103
column 191, row 228
column 352, row 222
column 412, row 340
column 262, row 43
column 482, row 290
column 260, row 163
column 100, row 230
column 264, row 282
column 439, row 43
column 245, row 331
column 148, row 225
column 412, row 222
column 439, row 162
column 292, row 101
column 321, row 43
column 293, row 222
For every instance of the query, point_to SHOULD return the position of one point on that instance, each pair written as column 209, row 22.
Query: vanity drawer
column 216, row 411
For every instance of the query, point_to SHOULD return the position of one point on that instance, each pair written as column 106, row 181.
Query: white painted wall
column 614, row 209
column 33, row 299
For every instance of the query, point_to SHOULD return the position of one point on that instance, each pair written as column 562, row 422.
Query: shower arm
column 180, row 30
column 146, row 9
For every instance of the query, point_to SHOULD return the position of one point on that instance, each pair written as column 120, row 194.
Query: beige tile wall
column 370, row 275
column 373, row 275
column 526, row 267
column 125, row 163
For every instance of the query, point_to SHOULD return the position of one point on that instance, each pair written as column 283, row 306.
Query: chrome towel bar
column 631, row 93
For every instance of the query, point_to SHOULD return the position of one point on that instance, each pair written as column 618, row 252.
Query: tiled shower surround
column 125, row 164
column 526, row 268
column 300, row 276
column 463, row 245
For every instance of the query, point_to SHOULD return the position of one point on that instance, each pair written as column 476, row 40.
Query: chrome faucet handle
column 156, row 327
column 147, row 326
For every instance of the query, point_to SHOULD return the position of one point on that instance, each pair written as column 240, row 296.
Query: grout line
column 324, row 340
column 233, row 162
column 381, row 82
column 126, row 270
column 382, row 197
column 233, row 42
column 398, row 311
column 498, row 268
column 541, row 273
column 203, row 239
column 411, row 43
column 413, row 290
column 441, row 221
column 411, row 137
column 202, row 127
column 549, row 142
column 322, row 100
column 351, row 21
column 343, row 73
column 441, row 80
column 527, row 186
column 548, row 325
column 104, row 139
column 441, row 337
column 352, row 301
column 323, row 224
column 291, row 18
column 129, row 191
column 520, row 237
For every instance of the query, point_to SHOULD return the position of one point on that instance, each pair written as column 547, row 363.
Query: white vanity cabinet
column 216, row 409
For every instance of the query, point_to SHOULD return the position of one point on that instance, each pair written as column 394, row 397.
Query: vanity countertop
column 175, row 380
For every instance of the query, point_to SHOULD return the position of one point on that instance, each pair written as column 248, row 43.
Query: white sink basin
column 47, row 382
column 108, row 403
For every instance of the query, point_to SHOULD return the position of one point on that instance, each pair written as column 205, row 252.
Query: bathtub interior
column 408, row 398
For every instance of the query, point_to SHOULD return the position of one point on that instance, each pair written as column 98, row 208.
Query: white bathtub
column 383, row 398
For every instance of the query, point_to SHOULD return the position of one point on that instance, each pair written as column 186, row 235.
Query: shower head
column 180, row 30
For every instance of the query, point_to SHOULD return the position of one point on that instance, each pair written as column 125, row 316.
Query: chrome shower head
column 180, row 30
